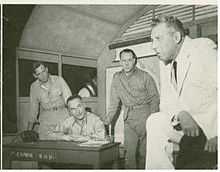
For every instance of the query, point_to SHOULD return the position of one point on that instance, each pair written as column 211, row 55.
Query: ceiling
column 116, row 14
column 83, row 30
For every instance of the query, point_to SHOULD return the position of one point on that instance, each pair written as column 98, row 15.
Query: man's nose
column 77, row 111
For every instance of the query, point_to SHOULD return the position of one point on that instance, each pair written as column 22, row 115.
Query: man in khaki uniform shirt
column 48, row 95
column 80, row 122
column 136, row 90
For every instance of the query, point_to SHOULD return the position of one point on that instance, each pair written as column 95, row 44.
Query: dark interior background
column 77, row 76
column 14, row 20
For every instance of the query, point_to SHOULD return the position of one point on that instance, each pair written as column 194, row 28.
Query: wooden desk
column 60, row 152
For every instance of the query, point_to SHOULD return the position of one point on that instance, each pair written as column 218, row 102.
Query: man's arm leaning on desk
column 99, row 129
column 114, row 103
column 65, row 89
column 34, row 107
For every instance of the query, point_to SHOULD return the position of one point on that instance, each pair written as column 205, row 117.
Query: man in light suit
column 188, row 109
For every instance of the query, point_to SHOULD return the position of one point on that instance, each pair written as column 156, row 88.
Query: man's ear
column 46, row 69
column 177, row 37
column 120, row 62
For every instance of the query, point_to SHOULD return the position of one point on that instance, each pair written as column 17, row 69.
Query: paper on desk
column 61, row 136
column 95, row 143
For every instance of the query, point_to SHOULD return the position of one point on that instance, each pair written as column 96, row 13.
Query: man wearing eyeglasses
column 48, row 95
column 80, row 123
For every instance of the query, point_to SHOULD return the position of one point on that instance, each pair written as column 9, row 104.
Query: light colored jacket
column 196, row 90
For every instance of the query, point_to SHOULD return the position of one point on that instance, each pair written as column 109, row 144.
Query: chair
column 187, row 156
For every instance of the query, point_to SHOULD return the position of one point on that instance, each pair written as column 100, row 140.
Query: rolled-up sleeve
column 65, row 89
column 114, row 101
column 99, row 129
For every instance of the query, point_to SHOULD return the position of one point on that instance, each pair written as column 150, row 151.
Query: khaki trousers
column 135, row 149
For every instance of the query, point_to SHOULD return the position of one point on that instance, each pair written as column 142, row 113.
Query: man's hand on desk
column 33, row 125
column 105, row 119
column 211, row 144
column 68, row 137
column 188, row 125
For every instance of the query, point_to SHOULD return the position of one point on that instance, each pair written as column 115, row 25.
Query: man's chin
column 166, row 62
column 128, row 70
column 80, row 117
column 44, row 81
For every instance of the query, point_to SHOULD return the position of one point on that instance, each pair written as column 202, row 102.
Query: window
column 209, row 30
column 77, row 76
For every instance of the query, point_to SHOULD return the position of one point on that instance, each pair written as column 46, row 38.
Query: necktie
column 174, row 74
column 175, row 70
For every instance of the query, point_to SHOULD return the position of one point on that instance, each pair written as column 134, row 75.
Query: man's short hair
column 170, row 21
column 76, row 96
column 127, row 50
column 37, row 64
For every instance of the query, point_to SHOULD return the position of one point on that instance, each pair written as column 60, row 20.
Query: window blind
column 141, row 27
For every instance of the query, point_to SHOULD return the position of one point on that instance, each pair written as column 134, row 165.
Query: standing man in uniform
column 188, row 102
column 48, row 95
column 136, row 91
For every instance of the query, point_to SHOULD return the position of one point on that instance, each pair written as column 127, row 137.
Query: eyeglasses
column 75, row 108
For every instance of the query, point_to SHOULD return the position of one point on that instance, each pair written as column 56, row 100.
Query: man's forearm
column 105, row 119
column 32, row 125
column 155, row 104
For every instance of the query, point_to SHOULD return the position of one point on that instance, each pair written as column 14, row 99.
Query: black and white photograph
column 109, row 86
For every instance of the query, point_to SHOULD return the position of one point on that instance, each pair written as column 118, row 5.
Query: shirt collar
column 132, row 72
column 84, row 121
column 49, row 78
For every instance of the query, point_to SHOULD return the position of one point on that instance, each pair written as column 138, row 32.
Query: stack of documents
column 81, row 140
column 95, row 143
column 61, row 136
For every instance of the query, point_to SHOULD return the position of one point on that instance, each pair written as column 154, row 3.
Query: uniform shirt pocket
column 55, row 92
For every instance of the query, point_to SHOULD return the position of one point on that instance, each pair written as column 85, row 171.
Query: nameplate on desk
column 48, row 156
column 42, row 156
column 21, row 154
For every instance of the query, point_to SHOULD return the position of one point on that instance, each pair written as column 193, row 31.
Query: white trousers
column 159, row 130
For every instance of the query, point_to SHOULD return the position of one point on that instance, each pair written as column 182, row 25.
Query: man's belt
column 56, row 108
column 127, row 109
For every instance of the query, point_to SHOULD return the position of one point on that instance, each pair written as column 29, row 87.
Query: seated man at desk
column 81, row 122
